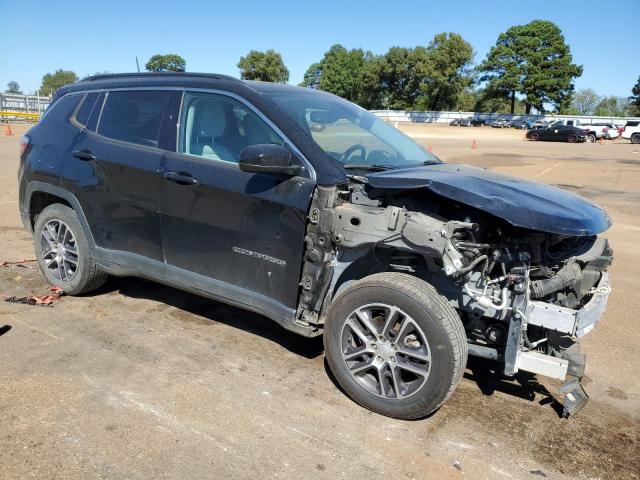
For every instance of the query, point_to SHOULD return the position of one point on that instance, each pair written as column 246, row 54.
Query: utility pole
column 137, row 64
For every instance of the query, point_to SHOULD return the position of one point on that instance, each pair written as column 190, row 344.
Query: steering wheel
column 347, row 154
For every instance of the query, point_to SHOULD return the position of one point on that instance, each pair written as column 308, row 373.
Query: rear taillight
column 605, row 129
column 24, row 145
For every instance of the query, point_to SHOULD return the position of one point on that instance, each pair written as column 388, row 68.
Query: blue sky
column 38, row 37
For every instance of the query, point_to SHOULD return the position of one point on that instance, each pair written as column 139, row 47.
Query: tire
column 635, row 138
column 591, row 138
column 63, row 253
column 534, row 137
column 425, row 336
column 573, row 138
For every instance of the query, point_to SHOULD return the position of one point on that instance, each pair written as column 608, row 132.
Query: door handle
column 85, row 155
column 181, row 178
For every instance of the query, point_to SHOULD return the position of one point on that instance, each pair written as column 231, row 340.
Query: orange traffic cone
column 7, row 130
column 474, row 145
column 430, row 149
column 602, row 140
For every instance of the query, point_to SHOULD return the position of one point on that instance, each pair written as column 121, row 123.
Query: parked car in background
column 465, row 122
column 599, row 130
column 521, row 124
column 559, row 133
column 477, row 121
column 632, row 131
column 540, row 124
column 455, row 122
column 500, row 123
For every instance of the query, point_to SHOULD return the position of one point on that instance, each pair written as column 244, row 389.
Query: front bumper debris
column 575, row 398
column 566, row 320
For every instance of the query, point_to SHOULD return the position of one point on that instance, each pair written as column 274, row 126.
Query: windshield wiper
column 369, row 167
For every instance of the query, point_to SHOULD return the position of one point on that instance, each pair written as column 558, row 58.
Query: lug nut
column 379, row 358
column 393, row 358
column 375, row 346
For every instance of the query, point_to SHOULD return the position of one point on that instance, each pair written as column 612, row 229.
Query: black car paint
column 520, row 202
column 558, row 134
column 212, row 237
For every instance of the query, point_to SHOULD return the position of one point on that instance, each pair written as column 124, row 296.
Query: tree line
column 529, row 67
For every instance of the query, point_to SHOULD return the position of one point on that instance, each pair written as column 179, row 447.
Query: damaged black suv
column 313, row 212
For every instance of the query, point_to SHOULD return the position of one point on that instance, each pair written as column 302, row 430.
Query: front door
column 229, row 232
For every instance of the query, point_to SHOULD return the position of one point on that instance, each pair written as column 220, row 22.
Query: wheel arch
column 39, row 195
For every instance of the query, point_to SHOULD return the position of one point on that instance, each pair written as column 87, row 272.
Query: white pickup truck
column 632, row 131
column 593, row 131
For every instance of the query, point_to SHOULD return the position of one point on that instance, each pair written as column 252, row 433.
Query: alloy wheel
column 59, row 250
column 385, row 351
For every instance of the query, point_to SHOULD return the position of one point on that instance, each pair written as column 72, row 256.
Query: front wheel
column 635, row 138
column 395, row 345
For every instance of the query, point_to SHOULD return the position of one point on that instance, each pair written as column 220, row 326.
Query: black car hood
column 520, row 202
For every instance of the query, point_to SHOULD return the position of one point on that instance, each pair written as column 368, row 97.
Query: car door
column 235, row 234
column 114, row 171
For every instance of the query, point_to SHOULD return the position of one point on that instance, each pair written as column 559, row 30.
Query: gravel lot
column 144, row 381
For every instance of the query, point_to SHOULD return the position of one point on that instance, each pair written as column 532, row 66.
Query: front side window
column 217, row 127
column 134, row 116
column 350, row 134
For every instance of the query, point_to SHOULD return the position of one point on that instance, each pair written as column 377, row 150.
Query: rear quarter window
column 85, row 108
column 134, row 116
column 632, row 123
column 61, row 110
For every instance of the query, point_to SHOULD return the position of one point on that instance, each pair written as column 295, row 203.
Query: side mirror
column 269, row 159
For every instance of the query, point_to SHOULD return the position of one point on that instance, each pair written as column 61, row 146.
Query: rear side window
column 632, row 123
column 85, row 109
column 134, row 116
column 62, row 109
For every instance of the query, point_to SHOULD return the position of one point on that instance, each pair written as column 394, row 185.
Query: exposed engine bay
column 525, row 297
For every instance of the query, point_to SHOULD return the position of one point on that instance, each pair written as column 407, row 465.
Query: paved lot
column 144, row 381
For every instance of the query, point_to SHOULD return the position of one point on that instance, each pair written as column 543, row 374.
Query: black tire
column 635, row 138
column 573, row 138
column 87, row 276
column 534, row 136
column 591, row 138
column 437, row 320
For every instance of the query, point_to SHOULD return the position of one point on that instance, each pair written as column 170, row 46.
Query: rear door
column 114, row 171
column 229, row 232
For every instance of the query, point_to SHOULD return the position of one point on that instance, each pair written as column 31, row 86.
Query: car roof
column 177, row 79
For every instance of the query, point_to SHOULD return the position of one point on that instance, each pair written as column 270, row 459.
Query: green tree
column 533, row 60
column 341, row 72
column 53, row 81
column 584, row 101
column 400, row 74
column 445, row 71
column 166, row 63
column 266, row 66
column 634, row 106
column 13, row 87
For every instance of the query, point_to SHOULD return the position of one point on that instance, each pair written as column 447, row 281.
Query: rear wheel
column 533, row 136
column 62, row 251
column 591, row 138
column 635, row 138
column 573, row 138
column 395, row 345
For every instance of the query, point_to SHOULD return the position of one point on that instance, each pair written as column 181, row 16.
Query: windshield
column 350, row 134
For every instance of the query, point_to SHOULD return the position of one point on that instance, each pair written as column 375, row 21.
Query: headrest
column 210, row 120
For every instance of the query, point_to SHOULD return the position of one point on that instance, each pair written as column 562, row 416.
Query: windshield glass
column 350, row 134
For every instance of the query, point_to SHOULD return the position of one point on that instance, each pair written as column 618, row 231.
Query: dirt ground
column 141, row 381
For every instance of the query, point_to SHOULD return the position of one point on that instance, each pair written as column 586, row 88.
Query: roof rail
column 108, row 76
